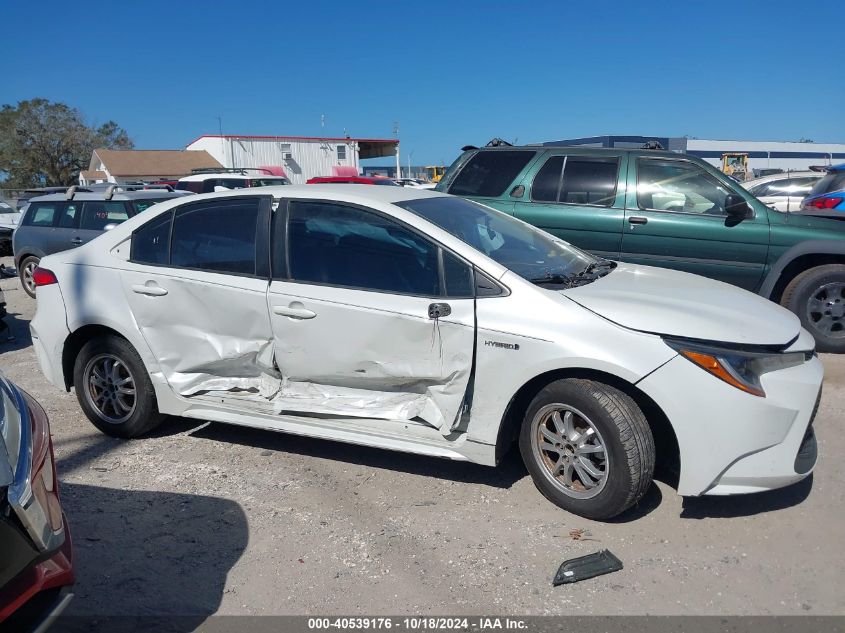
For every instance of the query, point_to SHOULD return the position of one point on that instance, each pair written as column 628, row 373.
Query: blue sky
column 451, row 73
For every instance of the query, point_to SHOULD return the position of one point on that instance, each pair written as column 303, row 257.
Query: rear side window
column 229, row 183
column 69, row 216
column 834, row 181
column 97, row 214
column 457, row 277
column 577, row 180
column 489, row 174
column 219, row 236
column 146, row 203
column 41, row 214
column 334, row 244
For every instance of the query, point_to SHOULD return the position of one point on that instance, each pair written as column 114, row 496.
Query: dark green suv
column 670, row 210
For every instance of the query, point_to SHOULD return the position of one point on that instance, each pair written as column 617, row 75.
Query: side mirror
column 109, row 227
column 736, row 206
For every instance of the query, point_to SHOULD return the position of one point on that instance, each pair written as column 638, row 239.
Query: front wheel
column 817, row 296
column 114, row 389
column 588, row 447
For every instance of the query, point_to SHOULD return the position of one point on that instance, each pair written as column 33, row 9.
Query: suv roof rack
column 110, row 189
column 230, row 170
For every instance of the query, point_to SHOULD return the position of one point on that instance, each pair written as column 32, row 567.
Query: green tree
column 47, row 144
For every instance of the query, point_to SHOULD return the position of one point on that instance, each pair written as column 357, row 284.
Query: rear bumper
column 49, row 332
column 732, row 442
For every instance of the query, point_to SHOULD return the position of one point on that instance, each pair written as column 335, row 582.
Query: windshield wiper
column 592, row 270
column 553, row 279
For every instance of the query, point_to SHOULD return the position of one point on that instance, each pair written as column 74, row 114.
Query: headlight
column 739, row 368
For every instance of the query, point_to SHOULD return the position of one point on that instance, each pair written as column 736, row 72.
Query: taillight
column 43, row 277
column 823, row 203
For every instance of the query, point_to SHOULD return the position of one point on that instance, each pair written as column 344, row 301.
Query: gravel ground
column 208, row 518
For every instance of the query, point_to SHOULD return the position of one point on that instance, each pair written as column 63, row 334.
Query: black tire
column 24, row 274
column 118, row 415
column 619, row 426
column 828, row 284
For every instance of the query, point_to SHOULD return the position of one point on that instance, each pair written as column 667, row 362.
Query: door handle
column 637, row 219
column 294, row 313
column 76, row 240
column 152, row 290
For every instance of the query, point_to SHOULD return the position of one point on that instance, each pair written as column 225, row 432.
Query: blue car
column 828, row 194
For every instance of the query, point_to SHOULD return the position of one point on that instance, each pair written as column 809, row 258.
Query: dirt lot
column 207, row 518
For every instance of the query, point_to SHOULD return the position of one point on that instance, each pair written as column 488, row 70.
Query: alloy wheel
column 826, row 309
column 571, row 450
column 28, row 279
column 110, row 388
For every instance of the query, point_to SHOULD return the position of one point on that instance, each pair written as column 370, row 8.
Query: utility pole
column 396, row 136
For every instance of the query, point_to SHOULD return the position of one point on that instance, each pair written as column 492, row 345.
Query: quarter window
column 97, row 214
column 151, row 243
column 335, row 244
column 219, row 236
column 665, row 185
column 488, row 174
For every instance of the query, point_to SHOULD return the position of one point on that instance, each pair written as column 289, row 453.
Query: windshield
column 529, row 252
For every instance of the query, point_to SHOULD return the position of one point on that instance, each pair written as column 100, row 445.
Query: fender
column 809, row 247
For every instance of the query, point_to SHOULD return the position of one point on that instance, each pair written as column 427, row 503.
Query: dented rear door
column 197, row 286
column 363, row 320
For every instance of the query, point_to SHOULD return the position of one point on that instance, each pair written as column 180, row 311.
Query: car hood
column 683, row 305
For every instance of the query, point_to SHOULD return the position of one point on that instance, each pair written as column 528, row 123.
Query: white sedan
column 422, row 322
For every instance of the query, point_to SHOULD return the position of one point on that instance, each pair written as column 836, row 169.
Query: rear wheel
column 588, row 447
column 114, row 389
column 25, row 270
column 817, row 296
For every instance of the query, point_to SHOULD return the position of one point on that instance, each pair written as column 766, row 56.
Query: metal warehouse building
column 761, row 154
column 297, row 157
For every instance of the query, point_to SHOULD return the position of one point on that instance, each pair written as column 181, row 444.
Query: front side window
column 529, row 252
column 679, row 186
column 488, row 174
column 41, row 214
column 218, row 236
column 334, row 244
column 97, row 214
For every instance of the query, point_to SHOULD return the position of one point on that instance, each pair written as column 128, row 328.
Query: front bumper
column 732, row 442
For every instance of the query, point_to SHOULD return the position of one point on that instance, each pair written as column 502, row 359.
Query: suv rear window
column 834, row 181
column 488, row 174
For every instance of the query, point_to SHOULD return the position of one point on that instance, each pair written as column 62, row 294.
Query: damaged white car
column 422, row 322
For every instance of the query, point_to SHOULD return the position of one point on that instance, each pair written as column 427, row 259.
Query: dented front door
column 360, row 322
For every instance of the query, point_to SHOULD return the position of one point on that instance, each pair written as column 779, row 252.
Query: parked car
column 36, row 555
column 664, row 209
column 427, row 323
column 828, row 194
column 60, row 221
column 351, row 180
column 416, row 183
column 783, row 191
column 9, row 219
column 207, row 181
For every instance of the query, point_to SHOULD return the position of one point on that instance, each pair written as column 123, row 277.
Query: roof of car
column 583, row 148
column 228, row 174
column 339, row 192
